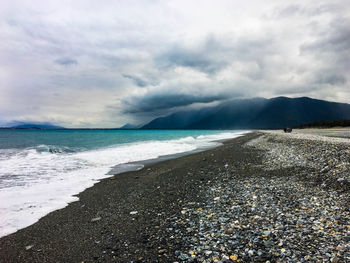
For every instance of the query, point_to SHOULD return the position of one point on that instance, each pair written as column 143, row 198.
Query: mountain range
column 255, row 113
column 33, row 125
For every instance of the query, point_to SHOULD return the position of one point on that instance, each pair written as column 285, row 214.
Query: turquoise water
column 89, row 139
column 43, row 170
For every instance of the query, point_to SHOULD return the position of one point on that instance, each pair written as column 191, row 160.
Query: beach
column 265, row 196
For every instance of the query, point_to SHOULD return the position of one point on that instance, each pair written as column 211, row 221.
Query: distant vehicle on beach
column 287, row 130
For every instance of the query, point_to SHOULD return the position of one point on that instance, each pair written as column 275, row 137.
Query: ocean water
column 42, row 170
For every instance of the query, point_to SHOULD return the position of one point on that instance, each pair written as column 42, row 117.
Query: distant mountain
column 256, row 113
column 45, row 125
column 129, row 126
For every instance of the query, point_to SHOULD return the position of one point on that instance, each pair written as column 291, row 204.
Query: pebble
column 183, row 256
column 29, row 247
column 95, row 219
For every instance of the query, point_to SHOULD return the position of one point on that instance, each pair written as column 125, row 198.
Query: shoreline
column 64, row 189
column 229, row 203
column 127, row 177
column 139, row 165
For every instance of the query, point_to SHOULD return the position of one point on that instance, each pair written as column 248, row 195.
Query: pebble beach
column 263, row 197
column 297, row 210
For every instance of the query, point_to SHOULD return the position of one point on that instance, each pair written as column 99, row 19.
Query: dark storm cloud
column 155, row 102
column 66, row 61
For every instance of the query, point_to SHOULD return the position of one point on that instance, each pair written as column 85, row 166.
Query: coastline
column 138, row 165
column 216, row 205
column 48, row 182
column 122, row 184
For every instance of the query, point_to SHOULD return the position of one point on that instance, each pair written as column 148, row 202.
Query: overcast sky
column 104, row 63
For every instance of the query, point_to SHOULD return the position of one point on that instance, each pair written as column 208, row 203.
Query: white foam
column 34, row 183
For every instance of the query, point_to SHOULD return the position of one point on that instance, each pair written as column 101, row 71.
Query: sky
column 89, row 63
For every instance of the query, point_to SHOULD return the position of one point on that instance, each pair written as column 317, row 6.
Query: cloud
column 215, row 53
column 306, row 9
column 156, row 102
column 87, row 63
column 331, row 50
column 335, row 38
column 206, row 56
column 289, row 10
column 138, row 81
column 332, row 79
column 66, row 61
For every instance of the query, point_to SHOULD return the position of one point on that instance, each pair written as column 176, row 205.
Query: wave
column 57, row 149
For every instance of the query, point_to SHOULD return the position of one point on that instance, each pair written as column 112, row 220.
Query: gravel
column 297, row 210
column 328, row 156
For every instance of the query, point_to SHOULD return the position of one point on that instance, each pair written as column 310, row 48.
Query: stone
column 29, row 247
column 183, row 256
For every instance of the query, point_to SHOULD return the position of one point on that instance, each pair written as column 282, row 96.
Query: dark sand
column 157, row 192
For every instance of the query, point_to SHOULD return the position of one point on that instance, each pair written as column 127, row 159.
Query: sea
column 43, row 170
